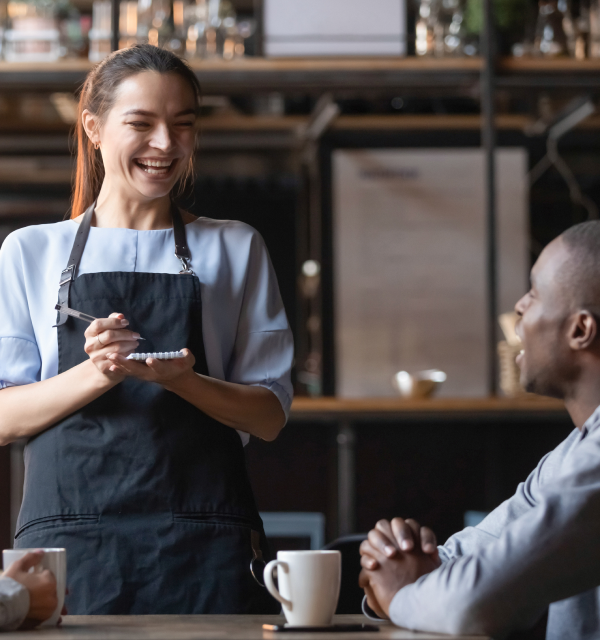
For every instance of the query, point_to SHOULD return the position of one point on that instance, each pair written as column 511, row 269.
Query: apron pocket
column 215, row 551
column 55, row 522
column 213, row 518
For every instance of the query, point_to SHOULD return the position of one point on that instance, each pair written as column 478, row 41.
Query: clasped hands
column 396, row 554
column 109, row 342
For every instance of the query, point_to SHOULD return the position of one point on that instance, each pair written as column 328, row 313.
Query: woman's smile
column 156, row 167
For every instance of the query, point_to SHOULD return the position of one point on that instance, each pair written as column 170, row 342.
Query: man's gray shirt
column 14, row 604
column 541, row 547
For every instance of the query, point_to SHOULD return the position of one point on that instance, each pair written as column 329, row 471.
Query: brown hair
column 98, row 96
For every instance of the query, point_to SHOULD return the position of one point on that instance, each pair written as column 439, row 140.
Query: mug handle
column 271, row 588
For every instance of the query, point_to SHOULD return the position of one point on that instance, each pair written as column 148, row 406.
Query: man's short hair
column 583, row 276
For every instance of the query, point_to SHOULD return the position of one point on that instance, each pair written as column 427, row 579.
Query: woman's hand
column 163, row 372
column 248, row 408
column 106, row 336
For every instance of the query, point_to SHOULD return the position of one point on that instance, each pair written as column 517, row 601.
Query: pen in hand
column 78, row 314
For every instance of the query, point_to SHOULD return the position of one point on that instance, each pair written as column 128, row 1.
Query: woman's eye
column 185, row 124
column 138, row 125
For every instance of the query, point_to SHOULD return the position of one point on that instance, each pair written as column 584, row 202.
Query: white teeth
column 156, row 163
column 522, row 351
column 155, row 167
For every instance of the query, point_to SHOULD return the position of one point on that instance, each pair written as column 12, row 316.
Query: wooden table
column 202, row 628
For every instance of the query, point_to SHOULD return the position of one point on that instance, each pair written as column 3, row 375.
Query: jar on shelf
column 100, row 33
column 32, row 34
column 128, row 21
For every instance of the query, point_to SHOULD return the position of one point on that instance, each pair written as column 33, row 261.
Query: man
column 542, row 546
column 26, row 599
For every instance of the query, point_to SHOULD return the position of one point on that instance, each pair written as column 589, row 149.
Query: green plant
column 508, row 14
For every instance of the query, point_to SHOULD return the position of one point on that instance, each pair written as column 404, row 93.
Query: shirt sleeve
column 471, row 539
column 20, row 361
column 14, row 604
column 547, row 554
column 264, row 347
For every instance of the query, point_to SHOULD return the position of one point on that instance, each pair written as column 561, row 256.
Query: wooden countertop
column 202, row 628
column 329, row 408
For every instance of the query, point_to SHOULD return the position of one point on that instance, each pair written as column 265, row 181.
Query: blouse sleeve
column 264, row 348
column 20, row 361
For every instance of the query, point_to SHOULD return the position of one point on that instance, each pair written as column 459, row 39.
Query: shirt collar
column 593, row 422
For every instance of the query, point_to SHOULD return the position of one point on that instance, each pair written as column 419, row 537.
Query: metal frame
column 488, row 139
column 115, row 7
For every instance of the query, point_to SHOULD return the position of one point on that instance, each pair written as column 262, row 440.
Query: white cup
column 55, row 560
column 309, row 585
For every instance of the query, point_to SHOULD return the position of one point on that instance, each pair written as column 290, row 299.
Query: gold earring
column 97, row 146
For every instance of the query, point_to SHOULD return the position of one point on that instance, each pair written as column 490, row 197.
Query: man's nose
column 520, row 306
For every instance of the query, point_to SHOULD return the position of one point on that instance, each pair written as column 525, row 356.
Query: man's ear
column 582, row 330
column 91, row 126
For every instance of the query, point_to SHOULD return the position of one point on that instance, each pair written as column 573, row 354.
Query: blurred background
column 406, row 161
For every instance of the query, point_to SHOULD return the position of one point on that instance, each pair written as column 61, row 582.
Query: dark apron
column 149, row 495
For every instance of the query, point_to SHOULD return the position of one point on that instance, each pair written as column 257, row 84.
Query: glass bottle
column 594, row 37
column 581, row 23
column 100, row 32
column 195, row 23
column 550, row 37
column 449, row 28
column 425, row 27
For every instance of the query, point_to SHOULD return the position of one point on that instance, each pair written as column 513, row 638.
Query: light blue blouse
column 246, row 334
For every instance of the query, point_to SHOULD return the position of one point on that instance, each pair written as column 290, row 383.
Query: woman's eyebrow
column 138, row 112
column 142, row 112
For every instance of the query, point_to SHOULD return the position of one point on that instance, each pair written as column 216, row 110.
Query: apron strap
column 70, row 273
column 182, row 250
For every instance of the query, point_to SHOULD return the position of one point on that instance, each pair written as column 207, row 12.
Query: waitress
column 137, row 468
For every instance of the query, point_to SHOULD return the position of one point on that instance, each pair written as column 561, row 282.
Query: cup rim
column 320, row 552
column 32, row 549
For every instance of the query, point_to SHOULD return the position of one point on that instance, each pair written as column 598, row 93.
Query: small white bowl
column 420, row 385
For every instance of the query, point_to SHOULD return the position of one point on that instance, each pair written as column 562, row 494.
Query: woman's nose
column 162, row 139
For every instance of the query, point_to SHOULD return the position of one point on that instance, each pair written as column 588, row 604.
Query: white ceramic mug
column 309, row 585
column 55, row 560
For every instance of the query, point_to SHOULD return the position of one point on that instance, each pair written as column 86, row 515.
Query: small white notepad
column 161, row 355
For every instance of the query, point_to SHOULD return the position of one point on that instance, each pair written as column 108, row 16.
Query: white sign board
column 410, row 264
column 334, row 27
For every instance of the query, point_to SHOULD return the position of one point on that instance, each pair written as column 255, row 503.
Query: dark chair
column 351, row 595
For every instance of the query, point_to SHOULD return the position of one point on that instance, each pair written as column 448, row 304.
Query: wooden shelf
column 262, row 74
column 426, row 122
column 544, row 65
column 319, row 74
column 338, row 409
column 540, row 73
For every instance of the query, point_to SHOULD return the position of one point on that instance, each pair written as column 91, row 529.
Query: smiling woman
column 116, row 109
column 137, row 467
